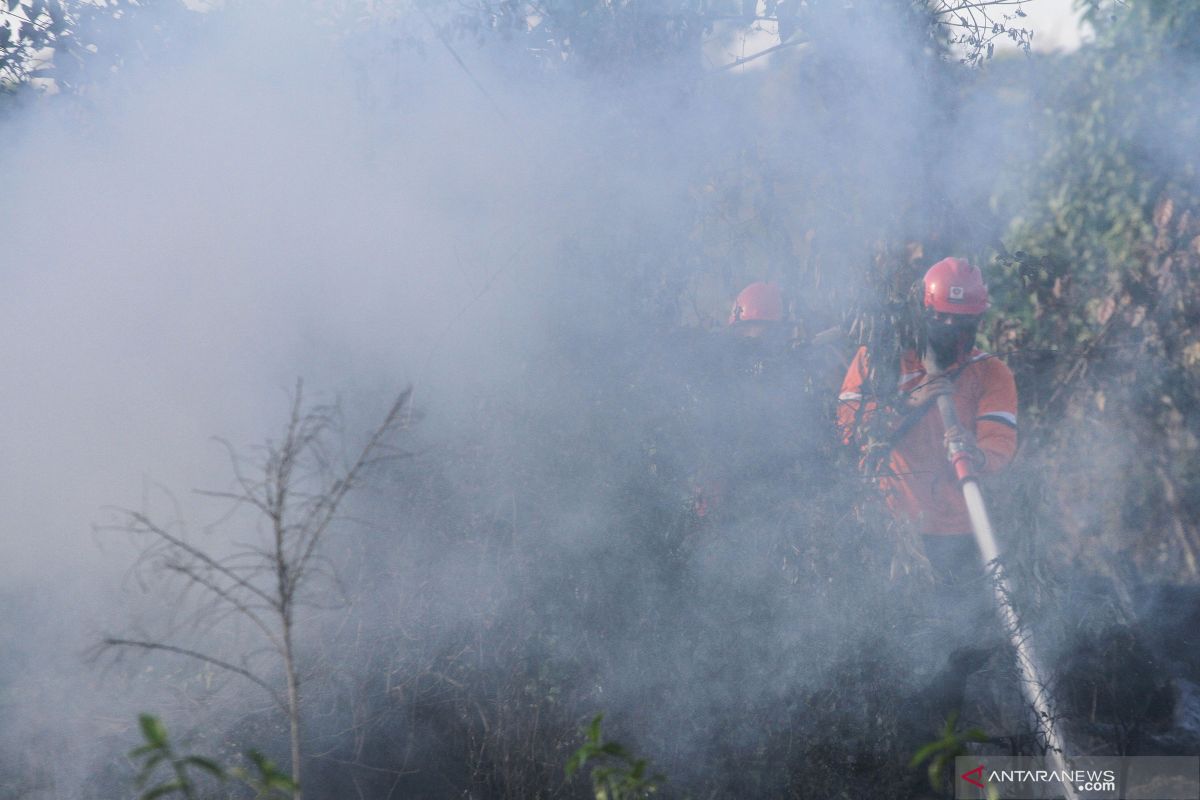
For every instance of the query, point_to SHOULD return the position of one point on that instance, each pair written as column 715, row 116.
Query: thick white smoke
column 338, row 198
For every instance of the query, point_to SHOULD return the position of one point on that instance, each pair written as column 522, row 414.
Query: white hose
column 1033, row 686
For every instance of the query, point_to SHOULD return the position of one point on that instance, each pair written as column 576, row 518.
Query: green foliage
column 268, row 781
column 617, row 774
column 27, row 29
column 618, row 36
column 941, row 752
column 1099, row 288
column 67, row 45
column 157, row 755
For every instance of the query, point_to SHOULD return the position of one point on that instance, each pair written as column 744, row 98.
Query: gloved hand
column 959, row 438
column 929, row 389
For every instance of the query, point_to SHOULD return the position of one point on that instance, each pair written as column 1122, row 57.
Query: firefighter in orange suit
column 918, row 481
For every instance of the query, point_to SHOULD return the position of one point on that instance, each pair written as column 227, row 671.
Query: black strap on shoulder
column 918, row 413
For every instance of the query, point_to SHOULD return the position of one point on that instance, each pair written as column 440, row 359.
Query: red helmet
column 952, row 286
column 758, row 302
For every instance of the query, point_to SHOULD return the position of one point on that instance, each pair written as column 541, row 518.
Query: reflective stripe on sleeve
column 1003, row 417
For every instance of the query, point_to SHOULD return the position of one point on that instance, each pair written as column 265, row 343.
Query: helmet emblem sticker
column 956, row 293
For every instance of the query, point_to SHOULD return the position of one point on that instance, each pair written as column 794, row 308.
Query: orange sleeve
column 996, row 416
column 851, row 396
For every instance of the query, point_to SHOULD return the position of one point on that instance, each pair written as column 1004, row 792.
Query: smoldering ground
column 543, row 254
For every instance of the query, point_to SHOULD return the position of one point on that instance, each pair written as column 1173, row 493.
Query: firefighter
column 777, row 383
column 750, row 387
column 757, row 311
column 918, row 481
column 915, row 474
column 767, row 432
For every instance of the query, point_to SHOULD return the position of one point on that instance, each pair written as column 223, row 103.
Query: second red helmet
column 758, row 302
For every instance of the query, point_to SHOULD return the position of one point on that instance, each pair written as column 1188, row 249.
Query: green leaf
column 206, row 764
column 613, row 749
column 153, row 729
column 281, row 781
column 162, row 791
column 266, row 766
column 575, row 762
column 927, row 751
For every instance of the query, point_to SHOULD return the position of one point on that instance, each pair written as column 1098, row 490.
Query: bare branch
column 328, row 505
column 249, row 490
column 238, row 605
column 196, row 654
column 143, row 524
column 747, row 59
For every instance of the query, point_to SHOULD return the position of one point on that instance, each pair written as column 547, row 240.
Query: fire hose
column 1033, row 685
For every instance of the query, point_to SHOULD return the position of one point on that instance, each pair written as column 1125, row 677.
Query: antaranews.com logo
column 1086, row 778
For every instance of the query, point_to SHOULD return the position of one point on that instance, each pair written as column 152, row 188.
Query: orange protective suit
column 920, row 483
